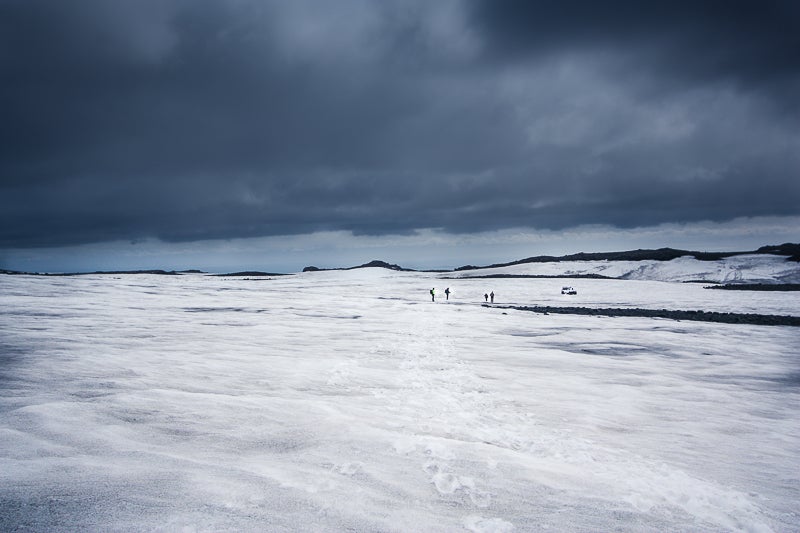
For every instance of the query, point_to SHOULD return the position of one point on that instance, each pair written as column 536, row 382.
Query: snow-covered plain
column 348, row 400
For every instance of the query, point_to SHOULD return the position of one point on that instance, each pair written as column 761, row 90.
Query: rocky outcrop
column 702, row 316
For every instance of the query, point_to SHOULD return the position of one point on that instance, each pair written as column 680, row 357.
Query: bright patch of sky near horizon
column 424, row 249
column 348, row 400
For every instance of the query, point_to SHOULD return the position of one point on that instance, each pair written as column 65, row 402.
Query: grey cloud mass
column 187, row 120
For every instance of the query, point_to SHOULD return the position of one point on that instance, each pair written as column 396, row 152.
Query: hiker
column 485, row 296
column 492, row 296
column 447, row 293
column 433, row 295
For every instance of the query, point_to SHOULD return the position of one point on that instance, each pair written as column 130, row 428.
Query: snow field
column 347, row 400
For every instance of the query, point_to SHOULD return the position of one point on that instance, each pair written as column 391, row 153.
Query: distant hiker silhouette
column 447, row 293
column 486, row 297
column 491, row 295
column 433, row 295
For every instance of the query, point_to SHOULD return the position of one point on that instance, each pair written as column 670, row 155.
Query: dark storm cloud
column 189, row 120
column 753, row 42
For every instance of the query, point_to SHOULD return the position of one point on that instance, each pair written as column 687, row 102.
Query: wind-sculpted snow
column 347, row 400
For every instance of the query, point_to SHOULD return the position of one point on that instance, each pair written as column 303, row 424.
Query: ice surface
column 333, row 401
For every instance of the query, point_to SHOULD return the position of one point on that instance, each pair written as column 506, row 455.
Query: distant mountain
column 254, row 273
column 788, row 248
column 662, row 254
column 157, row 272
column 381, row 264
column 372, row 264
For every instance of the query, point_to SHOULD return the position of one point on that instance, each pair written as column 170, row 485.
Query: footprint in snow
column 449, row 483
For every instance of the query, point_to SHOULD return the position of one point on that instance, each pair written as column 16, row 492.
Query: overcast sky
column 167, row 124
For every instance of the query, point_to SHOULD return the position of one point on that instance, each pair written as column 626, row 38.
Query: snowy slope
column 333, row 401
column 756, row 268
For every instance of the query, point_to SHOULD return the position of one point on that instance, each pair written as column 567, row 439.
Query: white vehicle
column 568, row 290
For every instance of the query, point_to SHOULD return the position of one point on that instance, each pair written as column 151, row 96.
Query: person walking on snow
column 433, row 295
column 486, row 297
column 491, row 295
column 447, row 293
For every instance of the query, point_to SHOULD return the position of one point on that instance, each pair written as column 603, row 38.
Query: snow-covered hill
column 755, row 268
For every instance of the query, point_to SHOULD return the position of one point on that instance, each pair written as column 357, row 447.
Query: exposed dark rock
column 535, row 276
column 757, row 287
column 703, row 316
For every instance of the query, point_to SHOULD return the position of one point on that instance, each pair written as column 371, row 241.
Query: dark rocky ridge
column 789, row 287
column 156, row 272
column 533, row 276
column 253, row 273
column 701, row 316
column 372, row 264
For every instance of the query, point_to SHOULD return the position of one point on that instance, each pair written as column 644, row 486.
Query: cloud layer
column 186, row 120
